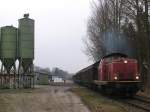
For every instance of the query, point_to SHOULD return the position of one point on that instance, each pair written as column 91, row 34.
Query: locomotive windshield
column 116, row 55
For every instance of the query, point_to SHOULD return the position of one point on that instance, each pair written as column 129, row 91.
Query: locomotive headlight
column 137, row 77
column 115, row 77
column 125, row 61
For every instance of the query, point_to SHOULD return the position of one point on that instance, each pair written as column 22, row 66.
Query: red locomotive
column 114, row 74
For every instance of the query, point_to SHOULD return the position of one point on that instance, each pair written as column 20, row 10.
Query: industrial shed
column 41, row 78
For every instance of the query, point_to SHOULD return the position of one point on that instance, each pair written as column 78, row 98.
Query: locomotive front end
column 124, row 69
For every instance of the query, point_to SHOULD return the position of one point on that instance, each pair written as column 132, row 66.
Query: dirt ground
column 41, row 99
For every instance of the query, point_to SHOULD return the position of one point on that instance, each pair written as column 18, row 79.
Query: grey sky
column 60, row 26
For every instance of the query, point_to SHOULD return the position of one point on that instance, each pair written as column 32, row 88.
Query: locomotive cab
column 118, row 68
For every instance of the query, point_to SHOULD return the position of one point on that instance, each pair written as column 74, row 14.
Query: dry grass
column 97, row 102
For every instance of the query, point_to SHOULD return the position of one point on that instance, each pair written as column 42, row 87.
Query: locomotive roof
column 89, row 67
column 115, row 54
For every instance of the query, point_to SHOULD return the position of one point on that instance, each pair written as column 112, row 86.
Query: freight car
column 113, row 74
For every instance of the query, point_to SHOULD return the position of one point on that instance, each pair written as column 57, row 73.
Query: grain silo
column 26, row 47
column 8, row 48
column 26, row 42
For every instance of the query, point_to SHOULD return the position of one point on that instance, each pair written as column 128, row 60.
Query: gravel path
column 43, row 99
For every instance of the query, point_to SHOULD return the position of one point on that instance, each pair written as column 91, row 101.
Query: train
column 115, row 73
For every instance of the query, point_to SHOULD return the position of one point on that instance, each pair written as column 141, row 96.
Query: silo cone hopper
column 26, row 74
column 8, row 64
column 27, row 65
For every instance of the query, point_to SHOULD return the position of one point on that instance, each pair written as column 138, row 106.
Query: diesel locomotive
column 113, row 74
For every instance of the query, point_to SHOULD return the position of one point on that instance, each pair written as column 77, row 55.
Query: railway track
column 142, row 98
column 139, row 102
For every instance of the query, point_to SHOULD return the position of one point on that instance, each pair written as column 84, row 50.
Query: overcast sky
column 60, row 26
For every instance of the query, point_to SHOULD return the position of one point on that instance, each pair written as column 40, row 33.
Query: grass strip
column 97, row 102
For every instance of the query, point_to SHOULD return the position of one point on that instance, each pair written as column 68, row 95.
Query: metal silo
column 26, row 42
column 26, row 49
column 8, row 47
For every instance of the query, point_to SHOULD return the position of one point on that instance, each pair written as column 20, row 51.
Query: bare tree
column 106, row 17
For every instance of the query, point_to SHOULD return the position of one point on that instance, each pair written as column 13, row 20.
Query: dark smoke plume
column 115, row 42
